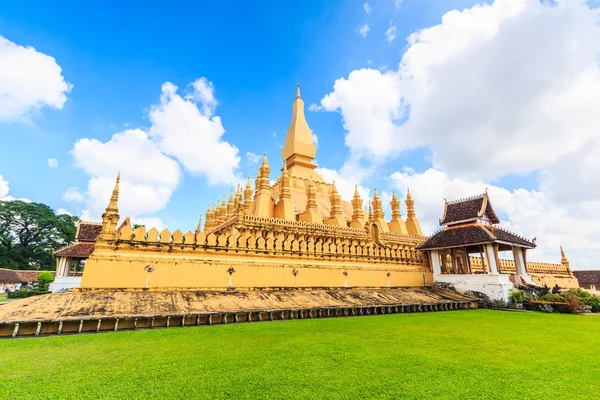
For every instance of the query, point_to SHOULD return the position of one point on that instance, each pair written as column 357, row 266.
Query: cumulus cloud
column 53, row 163
column 523, row 73
column 367, row 8
column 184, row 131
column 531, row 213
column 187, row 129
column 29, row 81
column 148, row 177
column 505, row 88
column 4, row 188
column 363, row 30
column 62, row 211
column 4, row 192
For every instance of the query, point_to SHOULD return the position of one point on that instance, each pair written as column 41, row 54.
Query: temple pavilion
column 466, row 252
column 469, row 227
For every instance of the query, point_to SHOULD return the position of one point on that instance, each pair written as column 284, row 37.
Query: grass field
column 3, row 298
column 462, row 354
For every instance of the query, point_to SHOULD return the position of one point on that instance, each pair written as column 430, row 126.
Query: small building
column 588, row 279
column 70, row 260
column 16, row 279
column 465, row 253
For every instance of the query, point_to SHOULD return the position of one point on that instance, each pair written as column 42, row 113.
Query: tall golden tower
column 299, row 150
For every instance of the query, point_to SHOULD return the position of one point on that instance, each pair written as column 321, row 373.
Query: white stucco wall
column 64, row 283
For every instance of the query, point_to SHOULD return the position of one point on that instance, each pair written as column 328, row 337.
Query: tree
column 30, row 232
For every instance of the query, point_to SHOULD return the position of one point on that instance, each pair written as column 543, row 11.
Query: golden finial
column 298, row 89
column 375, row 193
column 563, row 257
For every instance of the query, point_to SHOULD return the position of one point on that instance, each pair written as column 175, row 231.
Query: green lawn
column 462, row 354
column 3, row 298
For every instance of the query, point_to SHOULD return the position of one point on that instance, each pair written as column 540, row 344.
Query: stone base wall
column 496, row 287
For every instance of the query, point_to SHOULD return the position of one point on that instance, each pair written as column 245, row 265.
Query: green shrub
column 21, row 294
column 43, row 283
column 516, row 296
column 45, row 277
column 553, row 298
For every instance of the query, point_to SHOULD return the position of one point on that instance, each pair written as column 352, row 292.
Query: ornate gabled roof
column 588, row 277
column 469, row 209
column 466, row 235
column 76, row 250
column 88, row 231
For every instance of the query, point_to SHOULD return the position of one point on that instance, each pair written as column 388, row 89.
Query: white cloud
column 148, row 176
column 531, row 213
column 73, row 194
column 62, row 211
column 390, row 34
column 53, row 163
column 29, row 81
column 367, row 8
column 183, row 128
column 506, row 88
column 315, row 107
column 4, row 188
column 194, row 136
column 397, row 4
column 315, row 139
column 252, row 158
column 524, row 74
column 363, row 30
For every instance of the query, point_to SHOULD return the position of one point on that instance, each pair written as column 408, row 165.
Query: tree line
column 30, row 232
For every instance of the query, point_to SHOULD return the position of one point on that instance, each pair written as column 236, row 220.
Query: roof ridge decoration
column 492, row 236
column 512, row 233
column 466, row 199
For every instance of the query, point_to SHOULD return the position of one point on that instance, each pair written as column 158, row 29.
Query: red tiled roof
column 77, row 250
column 18, row 276
column 506, row 236
column 472, row 234
column 462, row 236
column 88, row 231
column 587, row 277
column 468, row 209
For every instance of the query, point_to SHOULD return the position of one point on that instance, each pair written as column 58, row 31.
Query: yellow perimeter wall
column 263, row 253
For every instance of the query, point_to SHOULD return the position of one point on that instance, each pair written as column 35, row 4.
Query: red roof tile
column 18, row 276
column 88, row 231
column 587, row 277
column 468, row 210
column 472, row 234
column 77, row 250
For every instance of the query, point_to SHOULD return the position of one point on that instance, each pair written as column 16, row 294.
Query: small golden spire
column 563, row 257
column 395, row 206
column 298, row 89
column 356, row 191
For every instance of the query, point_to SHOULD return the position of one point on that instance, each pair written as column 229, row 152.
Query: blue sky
column 117, row 56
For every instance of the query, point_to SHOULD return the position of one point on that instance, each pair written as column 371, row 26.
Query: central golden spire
column 299, row 150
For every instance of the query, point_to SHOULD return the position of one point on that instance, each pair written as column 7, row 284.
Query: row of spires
column 257, row 203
